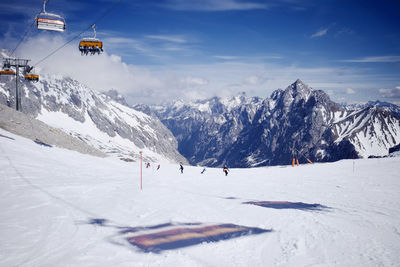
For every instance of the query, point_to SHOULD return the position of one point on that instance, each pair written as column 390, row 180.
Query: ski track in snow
column 62, row 208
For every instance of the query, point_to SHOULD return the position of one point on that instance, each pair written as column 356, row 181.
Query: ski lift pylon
column 49, row 21
column 91, row 45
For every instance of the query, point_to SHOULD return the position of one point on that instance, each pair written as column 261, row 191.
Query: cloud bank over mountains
column 221, row 77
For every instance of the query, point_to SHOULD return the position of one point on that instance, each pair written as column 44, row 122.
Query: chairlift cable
column 28, row 30
column 78, row 35
column 55, row 51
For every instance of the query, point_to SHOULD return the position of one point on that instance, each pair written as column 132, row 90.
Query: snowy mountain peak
column 294, row 93
column 235, row 101
column 299, row 87
column 298, row 82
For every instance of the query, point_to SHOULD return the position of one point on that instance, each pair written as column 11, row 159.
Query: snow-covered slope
column 93, row 117
column 63, row 208
column 371, row 130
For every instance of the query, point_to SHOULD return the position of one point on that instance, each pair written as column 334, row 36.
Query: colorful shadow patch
column 287, row 205
column 184, row 237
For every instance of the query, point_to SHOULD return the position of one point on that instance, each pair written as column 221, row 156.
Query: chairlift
column 49, row 21
column 7, row 69
column 7, row 72
column 30, row 76
column 91, row 45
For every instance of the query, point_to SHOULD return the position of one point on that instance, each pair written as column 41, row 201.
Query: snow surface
column 62, row 208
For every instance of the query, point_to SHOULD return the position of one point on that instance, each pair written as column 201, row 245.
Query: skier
column 225, row 170
column 204, row 169
column 181, row 168
column 158, row 167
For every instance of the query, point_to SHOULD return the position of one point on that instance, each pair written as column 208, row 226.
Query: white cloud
column 121, row 44
column 157, row 47
column 248, row 58
column 350, row 91
column 390, row 93
column 100, row 72
column 213, row 5
column 193, row 81
column 261, row 79
column 226, row 57
column 254, row 80
column 169, row 38
column 344, row 32
column 320, row 33
column 157, row 83
column 385, row 91
column 194, row 95
column 378, row 59
column 106, row 71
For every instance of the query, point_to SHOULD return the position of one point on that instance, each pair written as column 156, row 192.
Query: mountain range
column 296, row 122
column 240, row 131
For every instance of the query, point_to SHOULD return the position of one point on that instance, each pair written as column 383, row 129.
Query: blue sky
column 156, row 50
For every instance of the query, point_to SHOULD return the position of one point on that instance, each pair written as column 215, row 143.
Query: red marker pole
column 140, row 170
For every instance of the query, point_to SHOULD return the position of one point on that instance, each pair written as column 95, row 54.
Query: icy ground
column 62, row 208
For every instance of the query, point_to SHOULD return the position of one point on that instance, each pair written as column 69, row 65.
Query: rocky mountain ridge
column 298, row 121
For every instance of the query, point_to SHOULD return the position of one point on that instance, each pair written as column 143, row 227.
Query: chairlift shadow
column 289, row 205
column 181, row 237
column 170, row 236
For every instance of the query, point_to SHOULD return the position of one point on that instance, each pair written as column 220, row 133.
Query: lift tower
column 17, row 63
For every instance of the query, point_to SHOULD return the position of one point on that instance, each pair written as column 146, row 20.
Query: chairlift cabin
column 91, row 45
column 32, row 77
column 49, row 21
column 7, row 72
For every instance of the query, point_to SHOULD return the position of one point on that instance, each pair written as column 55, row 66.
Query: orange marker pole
column 310, row 161
column 297, row 161
column 293, row 162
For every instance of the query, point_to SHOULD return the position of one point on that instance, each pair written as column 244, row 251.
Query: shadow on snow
column 287, row 205
column 169, row 236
